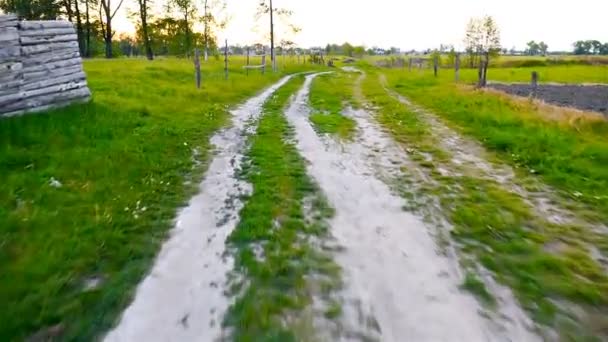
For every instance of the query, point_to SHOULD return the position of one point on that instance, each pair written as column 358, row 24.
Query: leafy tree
column 582, row 47
column 482, row 37
column 471, row 40
column 543, row 48
column 595, row 46
column 359, row 51
column 347, row 49
column 32, row 9
column 533, row 48
column 187, row 10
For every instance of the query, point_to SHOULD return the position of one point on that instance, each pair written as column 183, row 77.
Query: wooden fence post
column 247, row 61
column 534, row 83
column 264, row 62
column 435, row 64
column 485, row 69
column 480, row 74
column 226, row 59
column 197, row 67
column 457, row 68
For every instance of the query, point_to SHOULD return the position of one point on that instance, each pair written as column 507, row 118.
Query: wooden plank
column 44, row 24
column 9, row 101
column 42, row 48
column 48, row 32
column 10, row 87
column 39, row 84
column 57, row 104
column 45, row 74
column 10, row 67
column 52, row 65
column 9, row 53
column 50, row 100
column 48, row 40
column 9, row 24
column 8, row 34
column 50, row 57
column 8, row 17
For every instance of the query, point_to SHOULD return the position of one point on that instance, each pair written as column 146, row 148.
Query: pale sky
column 416, row 24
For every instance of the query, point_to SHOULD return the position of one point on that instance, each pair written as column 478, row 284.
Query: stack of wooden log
column 40, row 66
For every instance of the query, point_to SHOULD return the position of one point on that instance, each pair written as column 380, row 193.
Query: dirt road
column 398, row 285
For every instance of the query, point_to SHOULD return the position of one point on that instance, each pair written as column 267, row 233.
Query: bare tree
column 266, row 7
column 143, row 16
column 212, row 10
column 106, row 27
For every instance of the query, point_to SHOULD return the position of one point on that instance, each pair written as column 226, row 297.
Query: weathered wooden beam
column 49, row 57
column 8, row 53
column 10, row 68
column 48, row 32
column 41, row 48
column 8, row 34
column 45, row 74
column 8, row 102
column 9, row 88
column 48, row 40
column 58, row 104
column 8, row 17
column 52, row 65
column 40, row 84
column 51, row 100
column 44, row 24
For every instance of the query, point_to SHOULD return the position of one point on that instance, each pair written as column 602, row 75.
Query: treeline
column 590, row 47
column 168, row 33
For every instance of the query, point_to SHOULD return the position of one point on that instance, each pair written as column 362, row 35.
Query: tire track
column 397, row 285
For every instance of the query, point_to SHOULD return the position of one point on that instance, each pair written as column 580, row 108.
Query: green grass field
column 90, row 191
column 122, row 161
column 330, row 94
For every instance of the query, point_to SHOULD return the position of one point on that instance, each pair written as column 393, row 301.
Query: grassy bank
column 88, row 192
column 329, row 94
column 497, row 229
column 273, row 237
column 570, row 156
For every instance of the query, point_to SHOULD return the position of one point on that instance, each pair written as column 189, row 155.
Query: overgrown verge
column 88, row 192
column 329, row 94
column 548, row 266
column 277, row 238
column 570, row 156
